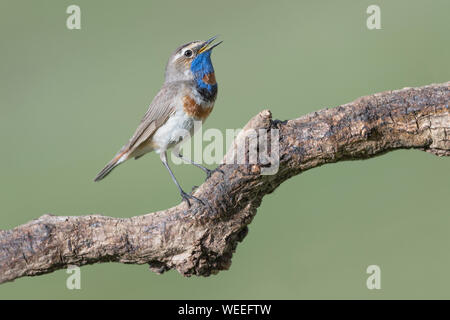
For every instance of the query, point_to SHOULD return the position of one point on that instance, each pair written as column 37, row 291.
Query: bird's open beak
column 206, row 45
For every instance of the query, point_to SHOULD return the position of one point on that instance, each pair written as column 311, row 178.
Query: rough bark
column 200, row 240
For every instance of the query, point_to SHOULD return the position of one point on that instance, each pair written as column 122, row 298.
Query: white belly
column 177, row 128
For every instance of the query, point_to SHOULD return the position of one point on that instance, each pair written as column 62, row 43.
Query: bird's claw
column 209, row 172
column 187, row 196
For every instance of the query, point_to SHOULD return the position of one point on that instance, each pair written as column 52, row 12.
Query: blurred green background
column 69, row 99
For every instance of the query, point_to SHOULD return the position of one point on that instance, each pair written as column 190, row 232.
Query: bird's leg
column 206, row 170
column 184, row 195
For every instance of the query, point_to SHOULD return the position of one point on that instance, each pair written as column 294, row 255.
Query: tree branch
column 200, row 240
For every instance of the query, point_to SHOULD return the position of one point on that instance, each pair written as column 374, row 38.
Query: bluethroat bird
column 187, row 95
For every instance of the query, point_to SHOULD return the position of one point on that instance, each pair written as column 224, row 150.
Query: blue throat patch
column 200, row 67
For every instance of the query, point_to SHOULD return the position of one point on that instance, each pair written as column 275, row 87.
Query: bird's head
column 192, row 61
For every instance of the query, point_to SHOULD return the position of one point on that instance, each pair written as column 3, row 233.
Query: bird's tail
column 118, row 159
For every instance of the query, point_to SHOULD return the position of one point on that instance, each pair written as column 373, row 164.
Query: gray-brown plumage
column 187, row 95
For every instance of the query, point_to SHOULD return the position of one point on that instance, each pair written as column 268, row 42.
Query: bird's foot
column 209, row 172
column 186, row 197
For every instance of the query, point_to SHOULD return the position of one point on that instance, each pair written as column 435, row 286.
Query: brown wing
column 157, row 114
column 162, row 106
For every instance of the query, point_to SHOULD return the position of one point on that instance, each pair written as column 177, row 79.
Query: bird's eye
column 188, row 53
